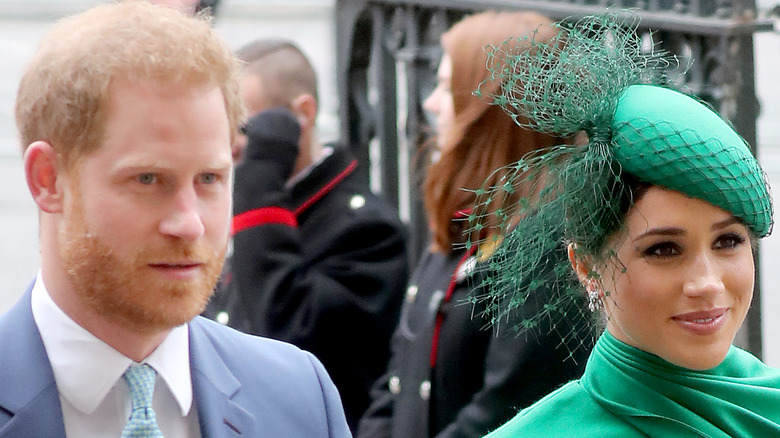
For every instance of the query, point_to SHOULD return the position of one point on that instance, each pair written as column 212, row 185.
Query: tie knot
column 140, row 379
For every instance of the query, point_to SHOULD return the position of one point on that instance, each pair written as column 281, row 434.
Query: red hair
column 483, row 137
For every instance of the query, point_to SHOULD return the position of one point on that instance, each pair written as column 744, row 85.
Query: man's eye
column 147, row 178
column 208, row 178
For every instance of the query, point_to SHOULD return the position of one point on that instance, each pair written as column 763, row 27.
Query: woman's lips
column 704, row 322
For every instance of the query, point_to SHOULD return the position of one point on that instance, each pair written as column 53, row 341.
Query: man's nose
column 184, row 219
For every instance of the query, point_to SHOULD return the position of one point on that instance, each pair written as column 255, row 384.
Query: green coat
column 626, row 392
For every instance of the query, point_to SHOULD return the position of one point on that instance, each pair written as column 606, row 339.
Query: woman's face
column 440, row 103
column 688, row 279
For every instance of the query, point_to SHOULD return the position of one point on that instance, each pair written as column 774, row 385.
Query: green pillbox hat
column 667, row 138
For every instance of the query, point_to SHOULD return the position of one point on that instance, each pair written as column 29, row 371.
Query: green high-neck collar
column 738, row 398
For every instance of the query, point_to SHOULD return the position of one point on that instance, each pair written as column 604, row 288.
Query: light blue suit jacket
column 243, row 385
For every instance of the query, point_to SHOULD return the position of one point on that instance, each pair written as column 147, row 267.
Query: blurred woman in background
column 449, row 376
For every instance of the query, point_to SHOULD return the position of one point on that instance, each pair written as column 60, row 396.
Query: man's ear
column 43, row 172
column 305, row 107
column 580, row 263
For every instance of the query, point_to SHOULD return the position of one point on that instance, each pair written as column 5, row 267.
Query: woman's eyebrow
column 676, row 231
column 725, row 223
column 661, row 231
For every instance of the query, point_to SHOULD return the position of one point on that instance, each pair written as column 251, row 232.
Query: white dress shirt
column 88, row 372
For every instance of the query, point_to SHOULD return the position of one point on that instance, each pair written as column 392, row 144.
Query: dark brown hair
column 285, row 71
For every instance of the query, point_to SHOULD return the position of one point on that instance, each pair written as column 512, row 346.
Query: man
column 319, row 261
column 126, row 116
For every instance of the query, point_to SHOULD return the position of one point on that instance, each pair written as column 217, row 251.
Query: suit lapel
column 28, row 392
column 214, row 387
column 29, row 396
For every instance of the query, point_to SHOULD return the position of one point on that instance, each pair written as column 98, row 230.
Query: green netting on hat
column 525, row 260
column 598, row 77
column 571, row 82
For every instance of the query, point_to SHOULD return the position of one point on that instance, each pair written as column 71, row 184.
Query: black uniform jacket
column 321, row 264
column 479, row 378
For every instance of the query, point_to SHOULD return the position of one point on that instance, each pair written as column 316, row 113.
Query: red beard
column 128, row 291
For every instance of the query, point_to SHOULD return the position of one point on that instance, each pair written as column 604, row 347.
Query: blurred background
column 311, row 24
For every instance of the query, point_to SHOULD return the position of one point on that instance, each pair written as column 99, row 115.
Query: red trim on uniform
column 445, row 300
column 462, row 214
column 262, row 216
column 278, row 215
column 435, row 342
column 326, row 188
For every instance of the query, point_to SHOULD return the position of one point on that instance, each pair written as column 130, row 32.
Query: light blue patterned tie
column 143, row 422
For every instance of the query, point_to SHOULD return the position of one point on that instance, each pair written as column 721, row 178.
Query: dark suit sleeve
column 284, row 294
column 336, row 296
column 521, row 369
column 517, row 374
column 377, row 420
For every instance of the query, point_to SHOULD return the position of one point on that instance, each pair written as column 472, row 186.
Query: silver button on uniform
column 223, row 318
column 356, row 202
column 425, row 390
column 436, row 300
column 411, row 293
column 395, row 385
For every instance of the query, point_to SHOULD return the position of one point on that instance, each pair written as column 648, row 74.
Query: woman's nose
column 705, row 278
column 430, row 104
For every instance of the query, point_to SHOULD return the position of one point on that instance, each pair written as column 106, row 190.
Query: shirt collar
column 86, row 368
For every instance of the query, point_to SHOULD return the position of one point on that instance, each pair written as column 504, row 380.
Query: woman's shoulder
column 567, row 412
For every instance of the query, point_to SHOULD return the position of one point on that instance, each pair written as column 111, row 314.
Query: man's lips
column 183, row 269
column 184, row 264
column 702, row 322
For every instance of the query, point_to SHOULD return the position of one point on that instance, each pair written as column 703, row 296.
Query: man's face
column 146, row 227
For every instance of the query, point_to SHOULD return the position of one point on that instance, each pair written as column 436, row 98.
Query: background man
column 318, row 260
column 126, row 115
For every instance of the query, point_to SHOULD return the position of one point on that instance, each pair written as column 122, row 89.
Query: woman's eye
column 147, row 178
column 664, row 249
column 729, row 240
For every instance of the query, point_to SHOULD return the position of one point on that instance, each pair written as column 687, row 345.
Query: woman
column 661, row 212
column 448, row 375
